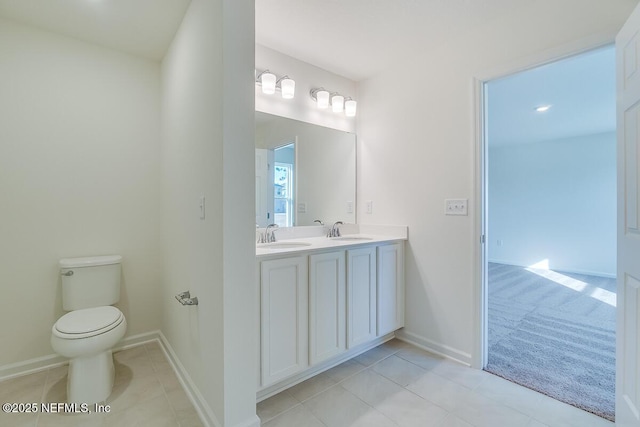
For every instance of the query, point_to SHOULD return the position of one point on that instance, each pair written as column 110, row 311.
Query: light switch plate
column 455, row 206
column 202, row 207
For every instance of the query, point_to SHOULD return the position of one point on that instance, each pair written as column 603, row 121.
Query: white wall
column 208, row 150
column 554, row 201
column 307, row 77
column 79, row 176
column 417, row 149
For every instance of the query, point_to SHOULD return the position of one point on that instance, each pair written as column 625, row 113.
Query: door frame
column 480, row 203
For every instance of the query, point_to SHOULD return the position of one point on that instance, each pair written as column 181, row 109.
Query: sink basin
column 283, row 245
column 352, row 238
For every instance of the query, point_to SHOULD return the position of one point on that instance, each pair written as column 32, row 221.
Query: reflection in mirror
column 283, row 188
column 304, row 172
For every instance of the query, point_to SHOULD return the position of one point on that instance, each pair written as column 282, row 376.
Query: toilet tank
column 90, row 281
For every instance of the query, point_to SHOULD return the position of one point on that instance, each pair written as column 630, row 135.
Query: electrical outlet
column 455, row 207
column 302, row 207
column 499, row 242
column 369, row 206
column 349, row 206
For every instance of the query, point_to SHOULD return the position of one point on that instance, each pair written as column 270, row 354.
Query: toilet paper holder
column 184, row 298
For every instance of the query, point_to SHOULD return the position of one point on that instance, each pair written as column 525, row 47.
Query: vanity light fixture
column 270, row 83
column 542, row 108
column 350, row 107
column 337, row 103
column 323, row 98
column 288, row 87
column 268, row 80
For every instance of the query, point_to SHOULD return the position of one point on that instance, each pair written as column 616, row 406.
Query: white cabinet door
column 361, row 295
column 390, row 288
column 327, row 306
column 284, row 306
column 628, row 305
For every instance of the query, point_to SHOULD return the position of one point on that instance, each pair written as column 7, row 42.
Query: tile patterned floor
column 392, row 385
column 396, row 384
column 146, row 392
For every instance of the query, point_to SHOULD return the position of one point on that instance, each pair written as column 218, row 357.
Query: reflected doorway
column 283, row 185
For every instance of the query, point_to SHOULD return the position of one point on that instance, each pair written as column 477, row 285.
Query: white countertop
column 308, row 239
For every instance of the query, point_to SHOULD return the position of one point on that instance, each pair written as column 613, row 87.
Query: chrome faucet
column 268, row 236
column 319, row 222
column 335, row 230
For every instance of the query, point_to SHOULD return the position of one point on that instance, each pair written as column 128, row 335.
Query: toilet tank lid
column 90, row 261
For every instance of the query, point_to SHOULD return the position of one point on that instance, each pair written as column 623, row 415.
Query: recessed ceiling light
column 542, row 108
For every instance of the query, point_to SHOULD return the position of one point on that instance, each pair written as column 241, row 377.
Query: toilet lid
column 89, row 320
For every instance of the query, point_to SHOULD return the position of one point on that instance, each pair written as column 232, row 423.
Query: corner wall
column 208, row 150
column 418, row 147
column 79, row 174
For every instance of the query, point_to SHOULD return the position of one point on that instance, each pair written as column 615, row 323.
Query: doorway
column 550, row 205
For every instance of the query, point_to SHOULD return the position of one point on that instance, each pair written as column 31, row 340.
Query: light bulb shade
column 288, row 87
column 322, row 97
column 337, row 103
column 268, row 83
column 350, row 108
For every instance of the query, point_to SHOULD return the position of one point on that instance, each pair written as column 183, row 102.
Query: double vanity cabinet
column 325, row 302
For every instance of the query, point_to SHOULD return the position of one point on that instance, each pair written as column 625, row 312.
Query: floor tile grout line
column 357, row 397
column 164, row 389
column 338, row 383
column 417, row 395
column 43, row 394
column 364, row 367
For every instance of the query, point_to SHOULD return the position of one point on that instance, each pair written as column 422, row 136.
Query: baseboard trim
column 31, row 366
column 251, row 422
column 434, row 347
column 37, row 364
column 206, row 414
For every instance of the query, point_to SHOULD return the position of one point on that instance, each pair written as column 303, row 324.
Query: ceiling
column 359, row 38
column 141, row 27
column 580, row 89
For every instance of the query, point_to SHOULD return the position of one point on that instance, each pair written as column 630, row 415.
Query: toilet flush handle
column 68, row 273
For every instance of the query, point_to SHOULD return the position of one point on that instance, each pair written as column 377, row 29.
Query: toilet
column 92, row 327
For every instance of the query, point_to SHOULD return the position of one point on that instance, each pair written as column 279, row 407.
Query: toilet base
column 90, row 379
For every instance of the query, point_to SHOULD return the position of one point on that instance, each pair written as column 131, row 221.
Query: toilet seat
column 87, row 322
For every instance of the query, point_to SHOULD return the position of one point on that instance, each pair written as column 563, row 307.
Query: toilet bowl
column 86, row 336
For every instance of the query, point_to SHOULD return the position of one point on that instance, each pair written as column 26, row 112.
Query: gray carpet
column 558, row 340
